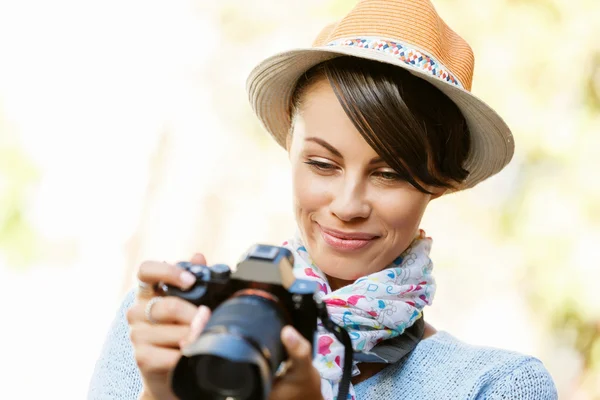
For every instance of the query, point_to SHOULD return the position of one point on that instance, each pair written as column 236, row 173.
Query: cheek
column 402, row 214
column 310, row 192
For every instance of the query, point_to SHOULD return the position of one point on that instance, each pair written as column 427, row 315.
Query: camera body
column 239, row 350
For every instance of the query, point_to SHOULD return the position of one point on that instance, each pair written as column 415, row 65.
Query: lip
column 346, row 241
column 348, row 235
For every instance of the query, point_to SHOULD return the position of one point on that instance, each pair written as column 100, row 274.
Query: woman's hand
column 157, row 346
column 175, row 322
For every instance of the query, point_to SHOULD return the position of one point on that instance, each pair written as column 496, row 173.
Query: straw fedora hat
column 406, row 33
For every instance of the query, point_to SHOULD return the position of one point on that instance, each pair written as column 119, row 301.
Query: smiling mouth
column 346, row 241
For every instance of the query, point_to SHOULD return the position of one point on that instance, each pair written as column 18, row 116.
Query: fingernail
column 199, row 318
column 290, row 335
column 187, row 279
column 195, row 328
column 198, row 323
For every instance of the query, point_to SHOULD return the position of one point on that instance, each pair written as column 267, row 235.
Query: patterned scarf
column 374, row 308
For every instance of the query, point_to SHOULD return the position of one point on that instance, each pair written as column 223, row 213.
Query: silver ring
column 148, row 310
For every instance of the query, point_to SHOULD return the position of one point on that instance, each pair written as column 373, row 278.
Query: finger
column 152, row 272
column 168, row 310
column 199, row 259
column 156, row 360
column 197, row 326
column 299, row 349
column 158, row 335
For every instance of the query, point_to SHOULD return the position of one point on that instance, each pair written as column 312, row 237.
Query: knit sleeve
column 528, row 381
column 116, row 375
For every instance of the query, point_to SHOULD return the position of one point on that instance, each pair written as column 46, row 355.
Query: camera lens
column 229, row 379
column 236, row 355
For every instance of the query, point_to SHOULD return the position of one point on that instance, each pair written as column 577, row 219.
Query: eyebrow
column 335, row 151
column 326, row 145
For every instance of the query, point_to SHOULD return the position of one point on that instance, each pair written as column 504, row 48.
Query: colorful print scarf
column 374, row 308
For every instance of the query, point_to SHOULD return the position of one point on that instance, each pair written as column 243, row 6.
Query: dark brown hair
column 411, row 125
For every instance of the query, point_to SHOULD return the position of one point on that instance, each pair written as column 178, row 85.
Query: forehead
column 321, row 115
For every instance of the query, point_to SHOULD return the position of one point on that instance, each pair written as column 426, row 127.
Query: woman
column 378, row 120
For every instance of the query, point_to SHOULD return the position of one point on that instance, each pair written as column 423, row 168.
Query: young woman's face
column 355, row 214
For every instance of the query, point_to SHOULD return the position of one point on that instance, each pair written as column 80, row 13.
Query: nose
column 349, row 200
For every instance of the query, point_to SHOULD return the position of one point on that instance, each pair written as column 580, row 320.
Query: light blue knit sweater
column 440, row 367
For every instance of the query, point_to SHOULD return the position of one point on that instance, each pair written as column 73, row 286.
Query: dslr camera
column 237, row 355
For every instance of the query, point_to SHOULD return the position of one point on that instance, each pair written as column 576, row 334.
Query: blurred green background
column 125, row 135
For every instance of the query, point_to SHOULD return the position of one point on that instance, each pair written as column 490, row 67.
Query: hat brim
column 270, row 87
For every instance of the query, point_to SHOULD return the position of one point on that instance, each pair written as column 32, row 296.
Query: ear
column 288, row 142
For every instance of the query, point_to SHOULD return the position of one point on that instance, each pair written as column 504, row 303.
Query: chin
column 343, row 267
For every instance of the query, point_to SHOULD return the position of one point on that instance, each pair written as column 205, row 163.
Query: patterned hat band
column 403, row 52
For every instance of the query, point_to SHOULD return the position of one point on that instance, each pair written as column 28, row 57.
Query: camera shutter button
column 220, row 271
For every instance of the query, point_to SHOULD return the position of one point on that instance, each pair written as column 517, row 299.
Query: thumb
column 299, row 349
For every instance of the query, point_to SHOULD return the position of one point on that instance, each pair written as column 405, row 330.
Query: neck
column 336, row 283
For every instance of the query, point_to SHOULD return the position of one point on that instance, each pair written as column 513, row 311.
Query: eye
column 389, row 176
column 319, row 165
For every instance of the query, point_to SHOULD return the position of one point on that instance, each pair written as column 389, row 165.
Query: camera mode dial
column 219, row 271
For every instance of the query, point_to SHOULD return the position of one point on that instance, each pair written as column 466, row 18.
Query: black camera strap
column 344, row 338
column 393, row 350
column 387, row 352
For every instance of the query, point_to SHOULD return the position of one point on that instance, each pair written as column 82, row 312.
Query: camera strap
column 344, row 338
column 393, row 350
